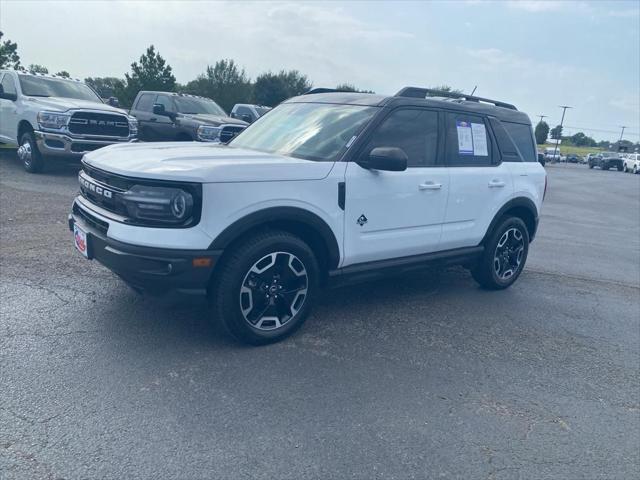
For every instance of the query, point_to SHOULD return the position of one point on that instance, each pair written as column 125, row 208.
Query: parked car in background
column 541, row 159
column 47, row 116
column 170, row 116
column 588, row 158
column 572, row 158
column 247, row 112
column 606, row 160
column 631, row 163
column 550, row 153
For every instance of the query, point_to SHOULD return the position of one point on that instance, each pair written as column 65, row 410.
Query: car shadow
column 53, row 167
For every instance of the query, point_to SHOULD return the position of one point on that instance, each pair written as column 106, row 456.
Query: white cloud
column 536, row 5
column 625, row 13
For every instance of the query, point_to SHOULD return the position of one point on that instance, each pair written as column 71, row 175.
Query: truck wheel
column 29, row 154
column 591, row 165
column 624, row 168
column 619, row 167
column 504, row 256
column 264, row 288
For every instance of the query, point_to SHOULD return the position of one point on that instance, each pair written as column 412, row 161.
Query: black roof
column 460, row 102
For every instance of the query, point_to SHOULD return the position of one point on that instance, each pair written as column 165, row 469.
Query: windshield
column 195, row 106
column 311, row 131
column 33, row 86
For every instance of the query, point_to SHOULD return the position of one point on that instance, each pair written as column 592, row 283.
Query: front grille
column 104, row 189
column 229, row 131
column 90, row 220
column 101, row 124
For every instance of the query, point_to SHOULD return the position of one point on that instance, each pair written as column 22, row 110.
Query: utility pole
column 564, row 110
column 541, row 117
column 622, row 132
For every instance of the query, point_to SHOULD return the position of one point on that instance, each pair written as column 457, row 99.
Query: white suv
column 50, row 116
column 329, row 187
column 631, row 162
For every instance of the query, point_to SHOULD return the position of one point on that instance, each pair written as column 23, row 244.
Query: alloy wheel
column 273, row 290
column 25, row 152
column 507, row 258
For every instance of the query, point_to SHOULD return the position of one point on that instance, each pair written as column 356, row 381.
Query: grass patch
column 570, row 149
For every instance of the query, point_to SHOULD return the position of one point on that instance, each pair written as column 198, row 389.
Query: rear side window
column 8, row 85
column 522, row 136
column 413, row 130
column 468, row 141
column 145, row 102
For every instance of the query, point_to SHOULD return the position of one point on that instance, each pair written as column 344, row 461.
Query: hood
column 215, row 120
column 202, row 162
column 62, row 104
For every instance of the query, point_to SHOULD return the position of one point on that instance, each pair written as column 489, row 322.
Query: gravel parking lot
column 424, row 376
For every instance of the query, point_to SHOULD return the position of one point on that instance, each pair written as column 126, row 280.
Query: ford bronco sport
column 328, row 187
column 47, row 117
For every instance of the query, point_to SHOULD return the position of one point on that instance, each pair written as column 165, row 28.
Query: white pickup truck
column 49, row 116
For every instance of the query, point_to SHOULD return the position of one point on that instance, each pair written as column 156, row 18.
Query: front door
column 397, row 214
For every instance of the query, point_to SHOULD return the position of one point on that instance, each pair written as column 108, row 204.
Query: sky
column 535, row 54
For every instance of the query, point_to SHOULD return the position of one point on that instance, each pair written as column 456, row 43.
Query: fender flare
column 520, row 203
column 281, row 215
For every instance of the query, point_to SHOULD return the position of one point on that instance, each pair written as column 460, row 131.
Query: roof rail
column 313, row 91
column 416, row 92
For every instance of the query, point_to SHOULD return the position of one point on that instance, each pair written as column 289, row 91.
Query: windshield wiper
column 36, row 95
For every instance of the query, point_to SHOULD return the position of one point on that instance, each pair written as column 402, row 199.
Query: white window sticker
column 479, row 134
column 465, row 140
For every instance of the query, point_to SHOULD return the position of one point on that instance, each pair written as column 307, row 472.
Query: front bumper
column 152, row 270
column 64, row 145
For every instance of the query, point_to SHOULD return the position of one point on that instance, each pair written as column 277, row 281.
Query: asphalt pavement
column 424, row 376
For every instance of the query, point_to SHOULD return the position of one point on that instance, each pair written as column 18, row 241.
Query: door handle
column 495, row 183
column 430, row 186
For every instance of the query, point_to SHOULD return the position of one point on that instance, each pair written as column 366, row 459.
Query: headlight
column 207, row 133
column 158, row 204
column 133, row 126
column 53, row 120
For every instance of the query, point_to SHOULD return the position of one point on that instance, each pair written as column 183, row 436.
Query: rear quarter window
column 522, row 136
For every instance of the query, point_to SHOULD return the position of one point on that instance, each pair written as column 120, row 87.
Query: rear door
column 396, row 214
column 479, row 183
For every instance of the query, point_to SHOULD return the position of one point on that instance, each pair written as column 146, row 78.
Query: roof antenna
column 474, row 90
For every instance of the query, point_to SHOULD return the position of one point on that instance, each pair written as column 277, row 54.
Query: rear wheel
column 624, row 168
column 619, row 167
column 29, row 154
column 504, row 256
column 635, row 169
column 264, row 288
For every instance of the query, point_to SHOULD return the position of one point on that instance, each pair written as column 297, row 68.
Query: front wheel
column 29, row 154
column 264, row 287
column 504, row 256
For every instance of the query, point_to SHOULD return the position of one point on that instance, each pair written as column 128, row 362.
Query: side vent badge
column 362, row 220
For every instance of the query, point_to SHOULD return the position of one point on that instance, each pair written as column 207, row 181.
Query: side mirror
column 7, row 96
column 390, row 159
column 158, row 109
column 247, row 118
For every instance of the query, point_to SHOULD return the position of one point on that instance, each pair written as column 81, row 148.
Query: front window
column 311, row 131
column 195, row 106
column 33, row 86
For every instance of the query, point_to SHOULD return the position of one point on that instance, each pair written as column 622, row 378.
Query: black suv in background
column 168, row 116
column 606, row 160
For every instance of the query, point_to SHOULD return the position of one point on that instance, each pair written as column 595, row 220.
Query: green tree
column 446, row 88
column 272, row 88
column 63, row 74
column 349, row 87
column 541, row 132
column 152, row 73
column 556, row 132
column 225, row 82
column 9, row 57
column 106, row 86
column 35, row 68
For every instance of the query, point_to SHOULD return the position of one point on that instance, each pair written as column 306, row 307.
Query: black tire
column 619, row 168
column 29, row 154
column 237, row 283
column 485, row 271
column 591, row 165
column 624, row 168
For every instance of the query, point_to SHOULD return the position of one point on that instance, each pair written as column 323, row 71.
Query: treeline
column 580, row 139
